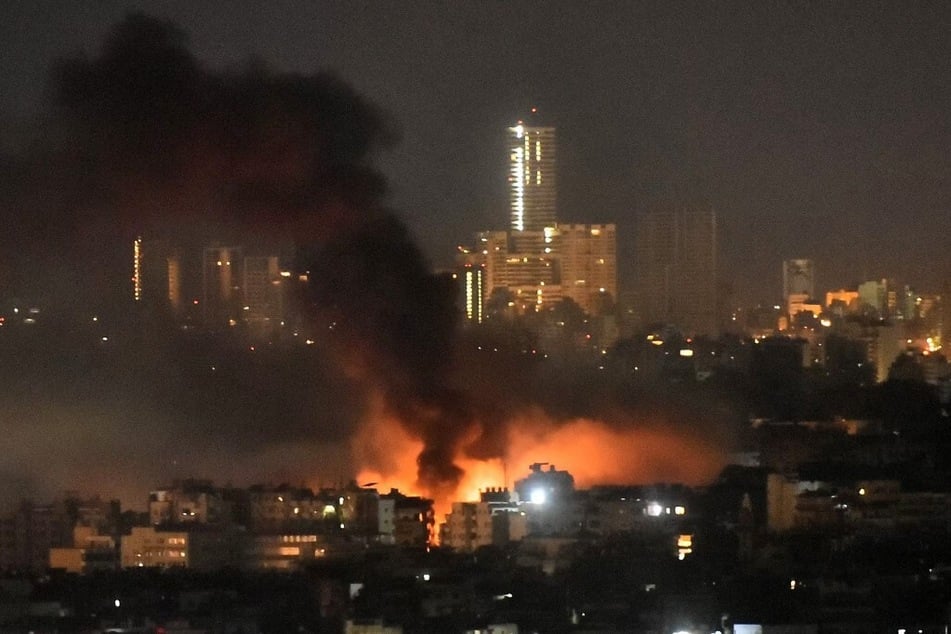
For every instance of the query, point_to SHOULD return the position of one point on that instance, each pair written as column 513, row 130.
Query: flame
column 590, row 449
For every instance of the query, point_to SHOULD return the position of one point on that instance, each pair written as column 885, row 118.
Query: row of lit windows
column 298, row 538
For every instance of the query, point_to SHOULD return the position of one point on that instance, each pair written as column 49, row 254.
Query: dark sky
column 816, row 130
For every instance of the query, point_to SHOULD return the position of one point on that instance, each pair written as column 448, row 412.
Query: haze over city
column 809, row 133
column 563, row 317
column 144, row 139
column 814, row 130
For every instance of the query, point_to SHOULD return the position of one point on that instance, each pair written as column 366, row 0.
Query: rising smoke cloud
column 144, row 140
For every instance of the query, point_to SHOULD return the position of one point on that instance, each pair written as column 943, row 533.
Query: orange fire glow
column 592, row 451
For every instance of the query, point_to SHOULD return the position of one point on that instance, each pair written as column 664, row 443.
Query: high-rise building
column 588, row 258
column 873, row 296
column 676, row 267
column 149, row 274
column 176, row 298
column 799, row 284
column 530, row 264
column 532, row 177
column 529, row 270
column 799, row 278
column 263, row 296
column 523, row 264
column 473, row 284
column 221, row 285
column 137, row 269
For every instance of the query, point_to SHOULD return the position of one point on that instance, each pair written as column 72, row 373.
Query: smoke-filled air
column 142, row 139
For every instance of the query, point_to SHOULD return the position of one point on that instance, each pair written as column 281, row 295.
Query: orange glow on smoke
column 386, row 454
column 593, row 452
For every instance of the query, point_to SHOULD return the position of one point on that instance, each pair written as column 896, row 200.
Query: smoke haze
column 143, row 140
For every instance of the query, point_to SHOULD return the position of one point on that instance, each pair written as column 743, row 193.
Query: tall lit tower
column 532, row 184
column 137, row 269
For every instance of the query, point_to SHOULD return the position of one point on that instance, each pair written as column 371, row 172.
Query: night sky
column 816, row 130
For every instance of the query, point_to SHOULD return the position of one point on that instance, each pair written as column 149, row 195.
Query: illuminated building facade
column 885, row 343
column 89, row 552
column 137, row 269
column 676, row 268
column 538, row 262
column 221, row 285
column 263, row 291
column 187, row 502
column 532, row 177
column 873, row 296
column 473, row 287
column 587, row 255
column 150, row 283
column 801, row 302
column 176, row 299
column 841, row 301
column 493, row 520
column 521, row 264
column 153, row 547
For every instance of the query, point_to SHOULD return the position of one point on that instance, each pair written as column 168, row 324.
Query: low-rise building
column 495, row 520
column 89, row 552
column 205, row 548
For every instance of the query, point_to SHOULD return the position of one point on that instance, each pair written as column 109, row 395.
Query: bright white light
column 654, row 509
column 117, row 603
column 538, row 496
column 686, row 352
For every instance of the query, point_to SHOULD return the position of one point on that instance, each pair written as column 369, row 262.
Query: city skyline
column 224, row 158
column 263, row 263
column 814, row 133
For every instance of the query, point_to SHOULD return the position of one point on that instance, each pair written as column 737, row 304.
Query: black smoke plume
column 147, row 141
column 398, row 322
column 142, row 139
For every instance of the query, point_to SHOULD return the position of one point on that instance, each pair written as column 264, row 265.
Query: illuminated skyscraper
column 137, row 269
column 472, row 278
column 532, row 181
column 676, row 260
